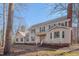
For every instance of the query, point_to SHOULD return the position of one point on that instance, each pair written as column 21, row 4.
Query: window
column 44, row 28
column 50, row 35
column 40, row 29
column 33, row 38
column 22, row 39
column 65, row 23
column 56, row 34
column 49, row 26
column 62, row 24
column 27, row 39
column 17, row 39
column 59, row 24
column 33, row 31
column 62, row 34
column 54, row 24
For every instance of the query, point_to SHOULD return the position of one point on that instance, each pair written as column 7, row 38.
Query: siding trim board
column 59, row 27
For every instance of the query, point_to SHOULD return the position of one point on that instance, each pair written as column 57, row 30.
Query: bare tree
column 8, row 37
column 4, row 18
column 57, row 8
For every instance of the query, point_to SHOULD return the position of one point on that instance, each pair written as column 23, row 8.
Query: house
column 75, row 40
column 21, row 34
column 20, row 37
column 54, row 32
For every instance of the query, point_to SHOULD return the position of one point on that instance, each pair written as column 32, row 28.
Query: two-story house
column 54, row 31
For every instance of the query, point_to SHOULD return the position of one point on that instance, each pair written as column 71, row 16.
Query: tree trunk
column 78, row 25
column 4, row 18
column 8, row 37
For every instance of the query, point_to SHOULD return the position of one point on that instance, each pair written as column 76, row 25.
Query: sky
column 32, row 14
column 37, row 13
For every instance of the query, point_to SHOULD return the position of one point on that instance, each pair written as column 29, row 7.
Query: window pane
column 50, row 35
column 56, row 34
column 59, row 24
column 62, row 34
column 65, row 23
column 49, row 26
column 33, row 38
column 54, row 24
column 27, row 39
column 44, row 29
column 40, row 29
column 62, row 24
column 22, row 39
column 33, row 31
column 17, row 39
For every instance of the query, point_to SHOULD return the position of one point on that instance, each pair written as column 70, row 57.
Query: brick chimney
column 69, row 14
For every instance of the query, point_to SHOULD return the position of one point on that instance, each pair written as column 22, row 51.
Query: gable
column 22, row 34
column 60, row 27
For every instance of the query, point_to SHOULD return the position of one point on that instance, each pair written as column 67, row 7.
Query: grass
column 46, row 53
column 52, row 53
column 59, row 52
column 71, row 54
column 22, row 50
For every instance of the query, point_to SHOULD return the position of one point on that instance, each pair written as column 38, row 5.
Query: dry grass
column 28, row 50
column 71, row 54
column 43, row 53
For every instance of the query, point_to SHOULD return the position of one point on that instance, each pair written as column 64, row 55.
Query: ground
column 31, row 50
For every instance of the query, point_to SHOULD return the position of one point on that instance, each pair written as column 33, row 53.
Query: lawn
column 28, row 50
column 71, row 54
column 51, row 53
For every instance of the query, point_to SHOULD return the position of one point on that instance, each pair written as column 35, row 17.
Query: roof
column 22, row 33
column 50, row 21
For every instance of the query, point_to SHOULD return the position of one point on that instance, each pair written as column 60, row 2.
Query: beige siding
column 47, row 39
column 66, row 39
column 19, row 36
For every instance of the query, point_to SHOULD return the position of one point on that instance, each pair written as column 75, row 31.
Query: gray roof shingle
column 50, row 21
